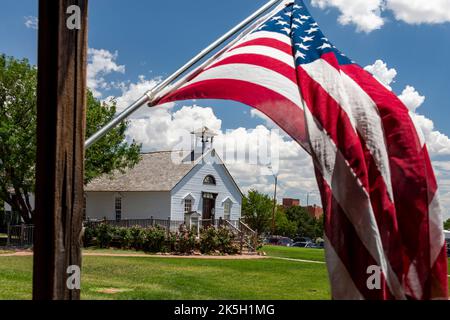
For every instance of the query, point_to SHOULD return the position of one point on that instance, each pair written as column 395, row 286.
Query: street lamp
column 274, row 199
column 307, row 197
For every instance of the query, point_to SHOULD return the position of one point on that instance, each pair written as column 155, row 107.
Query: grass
column 156, row 278
column 295, row 253
column 159, row 278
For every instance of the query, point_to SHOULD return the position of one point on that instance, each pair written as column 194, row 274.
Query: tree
column 257, row 210
column 284, row 226
column 447, row 225
column 18, row 82
column 306, row 225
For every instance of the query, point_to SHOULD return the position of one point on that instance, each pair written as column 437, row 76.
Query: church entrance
column 209, row 205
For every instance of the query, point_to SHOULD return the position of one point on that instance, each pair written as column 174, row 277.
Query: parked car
column 279, row 241
column 301, row 244
column 302, row 239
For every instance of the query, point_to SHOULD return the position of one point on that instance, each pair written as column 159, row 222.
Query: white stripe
column 253, row 74
column 262, row 51
column 342, row 284
column 436, row 222
column 360, row 109
column 413, row 287
column 265, row 34
column 414, row 117
column 349, row 192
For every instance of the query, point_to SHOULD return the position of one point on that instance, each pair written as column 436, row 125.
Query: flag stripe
column 348, row 191
column 261, row 98
column 408, row 171
column 266, row 42
column 260, row 76
column 262, row 51
column 357, row 105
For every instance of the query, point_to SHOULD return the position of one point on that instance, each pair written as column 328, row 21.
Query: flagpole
column 149, row 95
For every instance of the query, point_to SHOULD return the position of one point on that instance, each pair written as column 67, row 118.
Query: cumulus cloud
column 100, row 64
column 364, row 14
column 419, row 11
column 367, row 15
column 382, row 73
column 411, row 98
column 31, row 22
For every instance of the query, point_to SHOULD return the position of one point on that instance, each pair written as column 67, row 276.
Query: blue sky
column 153, row 38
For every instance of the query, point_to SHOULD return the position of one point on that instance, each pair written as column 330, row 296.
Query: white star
column 315, row 24
column 304, row 17
column 282, row 23
column 287, row 30
column 289, row 14
column 294, row 26
column 277, row 18
column 306, row 39
column 324, row 46
column 325, row 39
column 302, row 46
column 299, row 54
column 297, row 20
column 312, row 30
column 297, row 6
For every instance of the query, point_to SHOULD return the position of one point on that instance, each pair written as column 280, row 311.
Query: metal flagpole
column 149, row 95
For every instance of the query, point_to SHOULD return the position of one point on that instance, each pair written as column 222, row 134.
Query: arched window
column 209, row 180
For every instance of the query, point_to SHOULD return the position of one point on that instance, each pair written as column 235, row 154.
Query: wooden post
column 62, row 60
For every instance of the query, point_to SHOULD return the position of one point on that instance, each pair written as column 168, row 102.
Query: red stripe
column 409, row 172
column 267, row 42
column 336, row 123
column 262, row 61
column 348, row 246
column 282, row 111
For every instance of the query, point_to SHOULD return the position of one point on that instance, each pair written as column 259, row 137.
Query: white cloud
column 364, row 14
column 420, row 11
column 100, row 64
column 31, row 22
column 382, row 73
column 411, row 98
column 367, row 15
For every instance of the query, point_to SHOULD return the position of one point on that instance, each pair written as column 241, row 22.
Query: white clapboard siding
column 192, row 184
column 135, row 205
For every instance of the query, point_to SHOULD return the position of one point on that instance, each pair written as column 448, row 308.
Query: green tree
column 18, row 82
column 306, row 225
column 257, row 210
column 284, row 226
column 447, row 225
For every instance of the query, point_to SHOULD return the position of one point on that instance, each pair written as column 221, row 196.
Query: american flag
column 377, row 184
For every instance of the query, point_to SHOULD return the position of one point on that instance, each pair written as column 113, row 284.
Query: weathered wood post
column 62, row 60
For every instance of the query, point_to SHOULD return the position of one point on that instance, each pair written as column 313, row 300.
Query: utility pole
column 61, row 105
column 274, row 204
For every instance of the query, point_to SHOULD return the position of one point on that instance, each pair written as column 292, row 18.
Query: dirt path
column 137, row 255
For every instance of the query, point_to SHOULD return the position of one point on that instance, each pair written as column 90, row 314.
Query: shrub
column 208, row 240
column 225, row 240
column 136, row 238
column 89, row 236
column 124, row 237
column 104, row 233
column 154, row 240
column 187, row 242
column 172, row 242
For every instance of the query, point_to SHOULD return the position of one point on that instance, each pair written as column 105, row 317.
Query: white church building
column 167, row 186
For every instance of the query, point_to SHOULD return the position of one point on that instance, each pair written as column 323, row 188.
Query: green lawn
column 295, row 253
column 162, row 278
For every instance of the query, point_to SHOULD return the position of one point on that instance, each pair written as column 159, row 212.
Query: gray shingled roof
column 155, row 172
